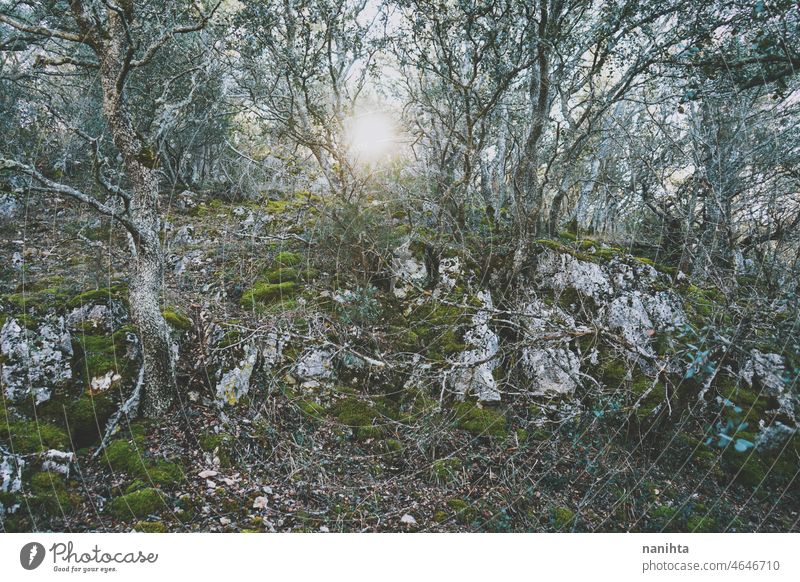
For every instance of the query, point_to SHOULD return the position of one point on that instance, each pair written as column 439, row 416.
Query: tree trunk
column 146, row 283
column 159, row 366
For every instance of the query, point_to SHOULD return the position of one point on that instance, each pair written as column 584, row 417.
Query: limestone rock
column 235, row 383
column 58, row 461
column 37, row 360
column 551, row 370
column 407, row 270
column 9, row 206
column 473, row 373
column 559, row 271
column 315, row 364
column 11, row 467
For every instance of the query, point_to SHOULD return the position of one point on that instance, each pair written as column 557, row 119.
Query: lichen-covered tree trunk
column 145, row 292
column 146, row 282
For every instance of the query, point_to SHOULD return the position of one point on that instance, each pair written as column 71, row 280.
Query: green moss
column 440, row 516
column 102, row 296
column 96, row 355
column 613, row 371
column 135, row 485
column 701, row 524
column 209, row 441
column 176, row 320
column 553, row 245
column 663, row 517
column 49, row 494
column 27, row 437
column 464, row 512
column 359, row 416
column 437, row 328
column 480, row 421
column 266, row 293
column 280, row 206
column 287, row 259
column 138, row 504
column 123, row 457
column 753, row 404
column 35, row 302
column 747, row 469
column 445, row 471
column 647, row 395
column 85, row 418
column 393, row 446
column 311, row 408
column 150, row 527
column 163, row 473
column 562, row 518
column 699, row 303
column 231, row 337
column 281, row 275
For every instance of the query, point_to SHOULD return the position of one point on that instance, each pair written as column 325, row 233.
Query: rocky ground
column 327, row 386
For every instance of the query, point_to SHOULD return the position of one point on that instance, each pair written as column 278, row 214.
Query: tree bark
column 146, row 282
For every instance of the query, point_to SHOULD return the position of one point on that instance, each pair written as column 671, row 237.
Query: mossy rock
column 613, row 371
column 49, row 494
column 103, row 296
column 562, row 518
column 176, row 320
column 287, row 259
column 96, row 355
column 123, row 457
column 746, row 469
column 28, row 437
column 231, row 337
column 440, row 516
column 36, row 299
column 138, row 504
column 647, row 395
column 480, row 421
column 392, row 447
column 85, row 418
column 221, row 444
column 163, row 473
column 281, row 275
column 264, row 293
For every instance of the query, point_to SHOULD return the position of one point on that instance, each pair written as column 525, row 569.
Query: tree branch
column 52, row 186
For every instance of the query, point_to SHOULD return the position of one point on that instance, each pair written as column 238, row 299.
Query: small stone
column 260, row 503
column 408, row 519
column 324, row 529
column 207, row 473
column 224, row 521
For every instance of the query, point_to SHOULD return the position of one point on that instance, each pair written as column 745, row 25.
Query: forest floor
column 357, row 454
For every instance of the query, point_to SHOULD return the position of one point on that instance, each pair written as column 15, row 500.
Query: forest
column 399, row 266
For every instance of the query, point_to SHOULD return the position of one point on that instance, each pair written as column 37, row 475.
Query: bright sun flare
column 371, row 137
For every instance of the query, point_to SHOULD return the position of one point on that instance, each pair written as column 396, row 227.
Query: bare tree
column 116, row 40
